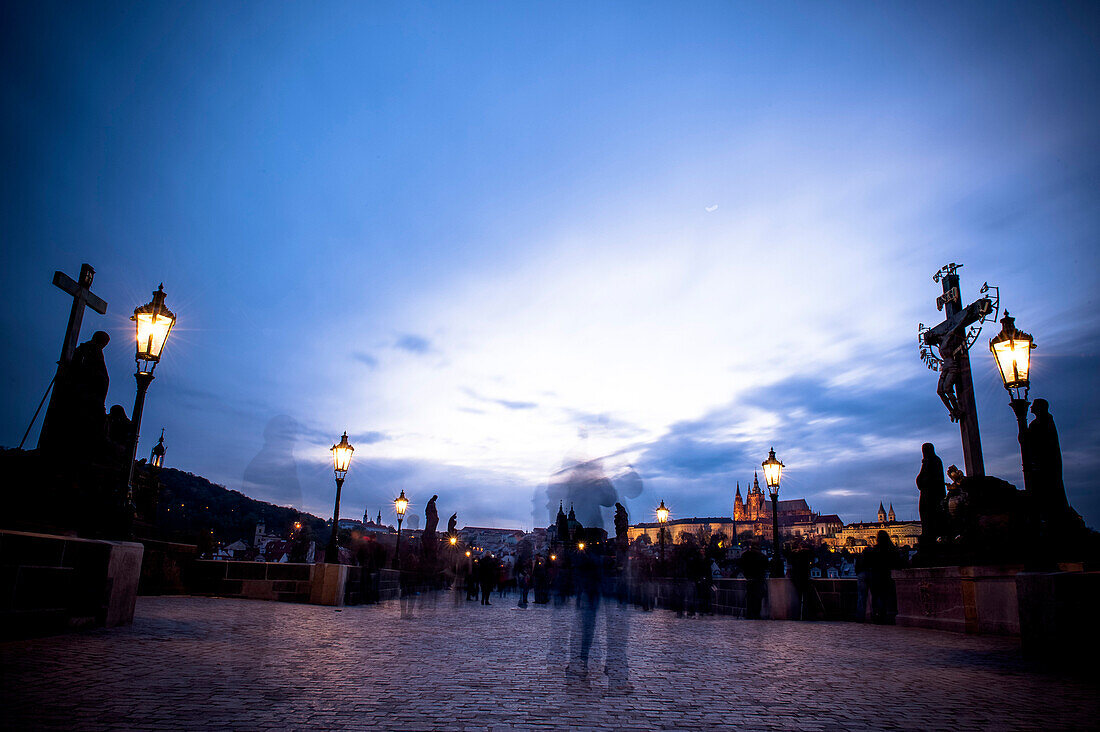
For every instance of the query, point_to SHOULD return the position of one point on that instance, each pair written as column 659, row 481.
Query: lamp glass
column 153, row 324
column 1013, row 358
column 773, row 470
column 341, row 456
column 662, row 513
column 400, row 504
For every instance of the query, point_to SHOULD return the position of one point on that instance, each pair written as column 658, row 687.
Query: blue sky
column 466, row 233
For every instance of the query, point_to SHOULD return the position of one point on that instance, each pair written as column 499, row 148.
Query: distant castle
column 858, row 536
column 752, row 519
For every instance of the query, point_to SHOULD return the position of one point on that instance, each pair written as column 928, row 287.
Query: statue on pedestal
column 1046, row 461
column 75, row 420
column 427, row 538
column 932, row 495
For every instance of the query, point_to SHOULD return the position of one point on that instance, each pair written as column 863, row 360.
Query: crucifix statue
column 55, row 426
column 952, row 339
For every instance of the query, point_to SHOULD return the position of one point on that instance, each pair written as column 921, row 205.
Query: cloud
column 414, row 344
column 366, row 359
column 506, row 403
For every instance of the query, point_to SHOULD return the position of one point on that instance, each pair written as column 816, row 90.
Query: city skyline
column 466, row 237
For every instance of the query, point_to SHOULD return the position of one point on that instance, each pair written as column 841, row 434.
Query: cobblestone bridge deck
column 204, row 663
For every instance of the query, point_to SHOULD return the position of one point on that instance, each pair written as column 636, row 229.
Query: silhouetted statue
column 950, row 370
column 431, row 518
column 77, row 412
column 932, row 494
column 621, row 525
column 428, row 538
column 1046, row 462
column 119, row 436
column 452, row 525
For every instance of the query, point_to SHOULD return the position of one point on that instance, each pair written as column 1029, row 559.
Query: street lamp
column 662, row 519
column 773, row 470
column 400, row 504
column 153, row 323
column 156, row 458
column 1011, row 349
column 341, row 459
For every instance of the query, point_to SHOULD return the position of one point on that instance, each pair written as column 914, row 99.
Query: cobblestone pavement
column 208, row 663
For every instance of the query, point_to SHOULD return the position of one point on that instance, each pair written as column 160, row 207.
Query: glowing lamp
column 454, row 540
column 341, row 457
column 400, row 504
column 662, row 512
column 773, row 470
column 580, row 545
column 1011, row 349
column 157, row 456
column 154, row 322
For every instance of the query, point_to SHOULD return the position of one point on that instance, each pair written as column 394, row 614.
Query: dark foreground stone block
column 1058, row 616
column 55, row 584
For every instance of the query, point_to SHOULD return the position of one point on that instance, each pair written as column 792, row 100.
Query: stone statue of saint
column 428, row 539
column 1045, row 458
column 932, row 494
column 452, row 524
column 75, row 419
column 621, row 521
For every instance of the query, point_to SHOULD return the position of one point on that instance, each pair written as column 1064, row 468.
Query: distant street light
column 153, row 323
column 773, row 471
column 662, row 519
column 1011, row 349
column 156, row 457
column 400, row 504
column 341, row 459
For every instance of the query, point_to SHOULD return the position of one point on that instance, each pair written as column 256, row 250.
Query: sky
column 490, row 240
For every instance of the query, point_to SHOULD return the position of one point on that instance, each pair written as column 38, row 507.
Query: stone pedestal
column 55, row 584
column 980, row 599
column 1058, row 616
column 327, row 584
column 782, row 599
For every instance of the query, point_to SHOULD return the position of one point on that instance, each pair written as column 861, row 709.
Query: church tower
column 890, row 516
column 756, row 509
column 738, row 505
column 881, row 513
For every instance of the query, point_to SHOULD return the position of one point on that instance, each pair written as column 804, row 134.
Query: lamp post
column 1011, row 349
column 153, row 323
column 156, row 457
column 399, row 504
column 773, row 469
column 341, row 459
column 662, row 519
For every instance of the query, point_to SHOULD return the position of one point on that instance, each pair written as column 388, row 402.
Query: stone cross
column 956, row 387
column 82, row 295
column 81, row 290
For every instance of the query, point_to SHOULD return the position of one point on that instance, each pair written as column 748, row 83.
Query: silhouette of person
column 753, row 565
column 273, row 473
column 883, row 558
